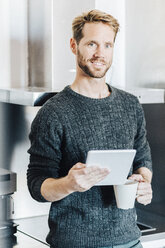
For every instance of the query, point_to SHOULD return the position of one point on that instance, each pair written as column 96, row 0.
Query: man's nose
column 99, row 52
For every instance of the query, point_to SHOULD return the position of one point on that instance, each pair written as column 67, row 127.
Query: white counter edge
column 29, row 97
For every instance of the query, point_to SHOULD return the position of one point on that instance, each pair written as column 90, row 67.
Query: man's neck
column 91, row 87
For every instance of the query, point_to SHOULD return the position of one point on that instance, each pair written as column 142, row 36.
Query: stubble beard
column 94, row 74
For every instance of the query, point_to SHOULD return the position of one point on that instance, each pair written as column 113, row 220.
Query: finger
column 144, row 188
column 102, row 173
column 85, row 183
column 99, row 175
column 144, row 185
column 145, row 199
column 93, row 177
column 143, row 192
column 136, row 177
column 100, row 178
column 93, row 181
column 93, row 169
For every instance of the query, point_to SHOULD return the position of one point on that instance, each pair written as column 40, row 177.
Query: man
column 87, row 115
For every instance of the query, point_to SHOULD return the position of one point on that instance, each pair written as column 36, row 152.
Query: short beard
column 86, row 69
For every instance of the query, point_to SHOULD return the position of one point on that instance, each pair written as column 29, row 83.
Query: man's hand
column 81, row 178
column 144, row 190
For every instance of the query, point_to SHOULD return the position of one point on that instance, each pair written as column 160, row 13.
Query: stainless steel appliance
column 7, row 188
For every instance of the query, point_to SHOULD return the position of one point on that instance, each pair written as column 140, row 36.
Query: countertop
column 37, row 227
column 36, row 96
column 21, row 240
column 32, row 232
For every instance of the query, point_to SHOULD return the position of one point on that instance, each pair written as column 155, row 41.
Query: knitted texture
column 64, row 130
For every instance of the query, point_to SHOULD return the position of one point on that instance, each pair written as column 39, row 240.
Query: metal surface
column 145, row 228
column 21, row 240
column 39, row 34
column 34, row 96
column 14, row 143
column 7, row 182
column 31, row 96
column 149, row 96
column 7, row 188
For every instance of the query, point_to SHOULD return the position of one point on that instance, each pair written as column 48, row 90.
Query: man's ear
column 73, row 45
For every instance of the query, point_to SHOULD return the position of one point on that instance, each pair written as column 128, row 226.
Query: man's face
column 95, row 50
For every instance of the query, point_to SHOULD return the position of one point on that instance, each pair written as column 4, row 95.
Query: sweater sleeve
column 143, row 153
column 45, row 152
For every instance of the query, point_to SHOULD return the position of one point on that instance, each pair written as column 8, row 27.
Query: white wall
column 116, row 74
column 4, row 44
column 63, row 60
column 145, row 43
column 13, row 43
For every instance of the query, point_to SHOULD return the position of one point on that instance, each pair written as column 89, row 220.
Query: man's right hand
column 81, row 178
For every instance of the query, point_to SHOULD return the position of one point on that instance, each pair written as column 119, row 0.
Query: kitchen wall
column 13, row 43
column 145, row 43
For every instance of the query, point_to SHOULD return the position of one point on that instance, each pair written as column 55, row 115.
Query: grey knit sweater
column 64, row 130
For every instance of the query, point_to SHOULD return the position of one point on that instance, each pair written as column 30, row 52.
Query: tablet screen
column 118, row 161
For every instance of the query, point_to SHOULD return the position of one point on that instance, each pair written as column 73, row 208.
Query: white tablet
column 118, row 161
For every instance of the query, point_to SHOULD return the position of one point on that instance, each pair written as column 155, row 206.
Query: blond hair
column 92, row 16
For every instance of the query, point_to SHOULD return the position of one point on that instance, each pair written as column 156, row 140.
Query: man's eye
column 91, row 44
column 108, row 45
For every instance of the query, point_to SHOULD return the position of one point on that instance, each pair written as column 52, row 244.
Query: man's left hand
column 144, row 190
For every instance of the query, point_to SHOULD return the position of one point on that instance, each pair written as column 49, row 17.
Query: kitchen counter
column 36, row 96
column 153, row 241
column 21, row 240
column 32, row 96
column 37, row 227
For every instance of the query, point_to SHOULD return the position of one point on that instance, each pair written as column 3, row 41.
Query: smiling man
column 88, row 115
column 94, row 52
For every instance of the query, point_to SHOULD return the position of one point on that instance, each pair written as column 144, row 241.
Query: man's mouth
column 97, row 62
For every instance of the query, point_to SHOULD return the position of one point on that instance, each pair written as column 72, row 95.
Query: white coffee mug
column 125, row 194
